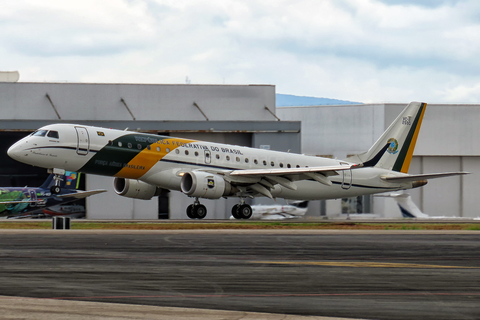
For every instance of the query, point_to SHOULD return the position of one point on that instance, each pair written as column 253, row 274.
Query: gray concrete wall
column 450, row 130
column 447, row 130
column 109, row 205
column 77, row 101
column 452, row 196
column 279, row 141
column 336, row 131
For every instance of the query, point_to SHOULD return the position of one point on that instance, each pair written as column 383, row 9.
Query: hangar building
column 241, row 115
column 235, row 114
column 447, row 142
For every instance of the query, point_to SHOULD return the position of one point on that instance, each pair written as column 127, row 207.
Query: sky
column 370, row 51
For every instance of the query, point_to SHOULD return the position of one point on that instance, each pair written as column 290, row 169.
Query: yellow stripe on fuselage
column 146, row 159
column 408, row 158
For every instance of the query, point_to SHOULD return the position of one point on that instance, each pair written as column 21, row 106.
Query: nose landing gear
column 57, row 178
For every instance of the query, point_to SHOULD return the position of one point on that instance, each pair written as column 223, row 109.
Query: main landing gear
column 239, row 211
column 196, row 210
column 242, row 210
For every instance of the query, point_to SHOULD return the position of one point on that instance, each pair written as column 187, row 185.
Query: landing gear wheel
column 200, row 211
column 235, row 211
column 55, row 189
column 190, row 212
column 244, row 211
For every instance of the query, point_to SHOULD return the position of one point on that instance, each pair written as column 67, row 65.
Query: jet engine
column 204, row 185
column 136, row 189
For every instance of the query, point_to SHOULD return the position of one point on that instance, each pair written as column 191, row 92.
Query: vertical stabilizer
column 71, row 180
column 399, row 140
column 407, row 207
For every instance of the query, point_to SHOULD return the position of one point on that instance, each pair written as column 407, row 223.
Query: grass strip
column 196, row 225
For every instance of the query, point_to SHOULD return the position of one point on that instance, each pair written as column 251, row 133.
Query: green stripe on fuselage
column 112, row 158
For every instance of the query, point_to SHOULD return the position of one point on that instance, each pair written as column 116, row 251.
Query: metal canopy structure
column 165, row 126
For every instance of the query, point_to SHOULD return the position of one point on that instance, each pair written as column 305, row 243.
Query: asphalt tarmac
column 344, row 274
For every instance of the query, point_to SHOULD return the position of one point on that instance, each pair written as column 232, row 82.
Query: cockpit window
column 52, row 134
column 40, row 133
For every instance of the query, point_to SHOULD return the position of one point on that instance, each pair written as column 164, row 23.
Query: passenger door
column 347, row 178
column 83, row 142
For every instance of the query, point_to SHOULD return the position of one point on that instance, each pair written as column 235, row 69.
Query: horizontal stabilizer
column 18, row 201
column 417, row 177
column 81, row 194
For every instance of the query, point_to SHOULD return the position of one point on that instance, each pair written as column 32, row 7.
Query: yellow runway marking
column 364, row 264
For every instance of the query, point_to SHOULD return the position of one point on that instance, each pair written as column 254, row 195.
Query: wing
column 263, row 180
column 81, row 194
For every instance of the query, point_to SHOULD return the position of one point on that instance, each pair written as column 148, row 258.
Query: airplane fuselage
column 162, row 161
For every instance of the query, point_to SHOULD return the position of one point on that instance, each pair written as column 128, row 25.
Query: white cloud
column 366, row 50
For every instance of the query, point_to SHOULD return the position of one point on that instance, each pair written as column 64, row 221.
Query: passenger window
column 228, row 158
column 129, row 145
column 238, row 159
column 196, row 153
column 158, row 149
column 217, row 156
column 288, row 165
column 255, row 161
column 119, row 143
column 148, row 147
column 272, row 164
column 139, row 146
column 168, row 150
column 246, row 160
column 264, row 162
column 177, row 151
column 186, row 152
column 52, row 134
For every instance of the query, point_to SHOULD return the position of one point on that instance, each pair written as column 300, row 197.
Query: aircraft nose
column 14, row 151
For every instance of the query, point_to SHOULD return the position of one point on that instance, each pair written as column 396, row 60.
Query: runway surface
column 374, row 275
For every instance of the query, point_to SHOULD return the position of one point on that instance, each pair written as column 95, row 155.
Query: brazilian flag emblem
column 392, row 146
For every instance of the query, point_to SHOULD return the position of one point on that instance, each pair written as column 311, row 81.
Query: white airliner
column 144, row 165
column 292, row 210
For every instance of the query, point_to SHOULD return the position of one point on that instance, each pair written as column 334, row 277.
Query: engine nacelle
column 204, row 185
column 136, row 189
